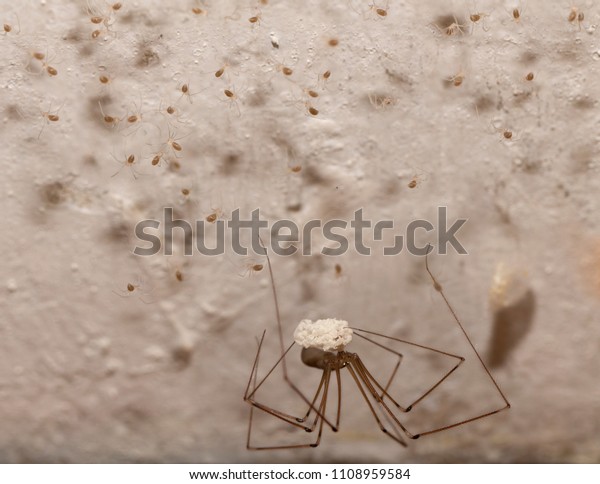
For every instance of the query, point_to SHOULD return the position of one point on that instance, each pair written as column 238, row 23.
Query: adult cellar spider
column 324, row 347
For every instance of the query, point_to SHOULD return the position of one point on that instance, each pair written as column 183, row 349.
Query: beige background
column 87, row 375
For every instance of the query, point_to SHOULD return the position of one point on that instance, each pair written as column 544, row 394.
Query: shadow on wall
column 511, row 324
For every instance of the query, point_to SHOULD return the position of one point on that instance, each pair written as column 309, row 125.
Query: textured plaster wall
column 87, row 375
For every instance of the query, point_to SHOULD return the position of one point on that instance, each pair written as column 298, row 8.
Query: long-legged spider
column 49, row 117
column 128, row 161
column 135, row 288
column 324, row 344
column 232, row 99
column 506, row 134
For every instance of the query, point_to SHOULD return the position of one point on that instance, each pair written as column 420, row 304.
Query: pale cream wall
column 87, row 375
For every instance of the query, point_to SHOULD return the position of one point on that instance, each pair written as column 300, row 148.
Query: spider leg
column 365, row 376
column 252, row 387
column 249, row 395
column 312, row 405
column 339, row 404
column 439, row 289
column 358, row 376
column 385, row 390
column 322, row 407
column 280, row 333
column 252, row 379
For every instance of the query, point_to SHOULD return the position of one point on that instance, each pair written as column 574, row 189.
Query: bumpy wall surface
column 111, row 112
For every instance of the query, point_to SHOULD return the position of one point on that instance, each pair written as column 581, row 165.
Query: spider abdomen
column 317, row 358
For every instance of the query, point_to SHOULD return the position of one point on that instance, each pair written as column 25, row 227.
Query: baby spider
column 179, row 275
column 451, row 29
column 310, row 109
column 414, row 182
column 49, row 117
column 291, row 161
column 516, row 13
column 478, row 18
column 225, row 68
column 173, row 143
column 417, row 178
column 98, row 32
column 232, row 99
column 8, row 28
column 382, row 102
column 215, row 215
column 135, row 288
column 220, row 71
column 185, row 91
column 98, row 20
column 457, row 79
column 506, row 134
column 186, row 194
column 217, row 212
column 284, row 69
column 250, row 267
column 106, row 82
column 338, row 271
column 199, row 9
column 129, row 161
column 49, row 69
column 576, row 16
column 529, row 77
column 158, row 158
column 323, row 78
column 304, row 104
column 171, row 112
column 310, row 93
column 176, row 271
column 130, row 289
column 454, row 28
column 254, row 268
column 109, row 121
column 38, row 56
column 255, row 18
column 323, row 346
column 105, row 79
column 134, row 118
column 377, row 11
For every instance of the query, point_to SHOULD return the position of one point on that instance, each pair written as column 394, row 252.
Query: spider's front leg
column 366, row 389
column 294, row 421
